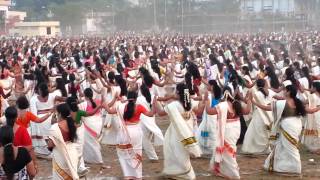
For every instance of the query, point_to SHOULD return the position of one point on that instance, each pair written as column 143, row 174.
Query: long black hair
column 215, row 89
column 6, row 140
column 189, row 83
column 61, row 86
column 111, row 77
column 43, row 90
column 274, row 81
column 155, row 66
column 11, row 115
column 260, row 86
column 235, row 102
column 184, row 96
column 64, row 111
column 246, row 70
column 129, row 111
column 146, row 93
column 89, row 94
column 147, row 78
column 316, row 86
column 123, row 85
column 290, row 76
column 73, row 90
column 73, row 104
column 300, row 109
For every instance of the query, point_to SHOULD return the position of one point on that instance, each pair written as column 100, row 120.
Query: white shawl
column 182, row 128
column 70, row 159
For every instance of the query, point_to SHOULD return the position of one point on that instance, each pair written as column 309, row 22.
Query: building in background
column 4, row 8
column 272, row 6
column 41, row 28
column 99, row 22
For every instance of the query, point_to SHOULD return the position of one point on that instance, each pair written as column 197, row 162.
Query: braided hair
column 88, row 93
column 184, row 96
column 129, row 111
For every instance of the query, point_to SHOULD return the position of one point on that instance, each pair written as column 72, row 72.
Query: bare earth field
column 250, row 167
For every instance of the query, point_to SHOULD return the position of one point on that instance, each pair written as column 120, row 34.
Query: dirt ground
column 250, row 167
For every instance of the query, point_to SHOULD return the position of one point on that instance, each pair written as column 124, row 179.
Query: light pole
column 155, row 14
column 165, row 14
column 182, row 13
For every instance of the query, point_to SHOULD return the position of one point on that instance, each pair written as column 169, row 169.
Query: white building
column 258, row 6
column 4, row 6
column 41, row 28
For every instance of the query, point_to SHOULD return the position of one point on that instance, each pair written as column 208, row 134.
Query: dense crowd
column 61, row 98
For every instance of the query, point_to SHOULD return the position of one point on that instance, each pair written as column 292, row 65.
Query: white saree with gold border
column 285, row 156
column 179, row 143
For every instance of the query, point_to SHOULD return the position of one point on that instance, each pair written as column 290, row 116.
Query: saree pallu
column 179, row 143
column 64, row 156
column 311, row 132
column 228, row 133
column 285, row 157
column 92, row 148
column 152, row 134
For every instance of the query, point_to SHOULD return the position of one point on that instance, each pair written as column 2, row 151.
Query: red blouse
column 139, row 109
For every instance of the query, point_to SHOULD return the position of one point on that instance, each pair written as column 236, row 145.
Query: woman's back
column 16, row 168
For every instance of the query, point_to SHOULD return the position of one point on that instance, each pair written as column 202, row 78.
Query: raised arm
column 312, row 110
column 160, row 84
column 261, row 106
column 160, row 111
column 109, row 109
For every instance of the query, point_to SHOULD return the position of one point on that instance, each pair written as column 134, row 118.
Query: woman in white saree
column 92, row 129
column 228, row 112
column 311, row 133
column 78, row 116
column 286, row 129
column 206, row 134
column 152, row 135
column 110, row 91
column 62, row 136
column 129, row 139
column 41, row 105
column 179, row 140
column 256, row 140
